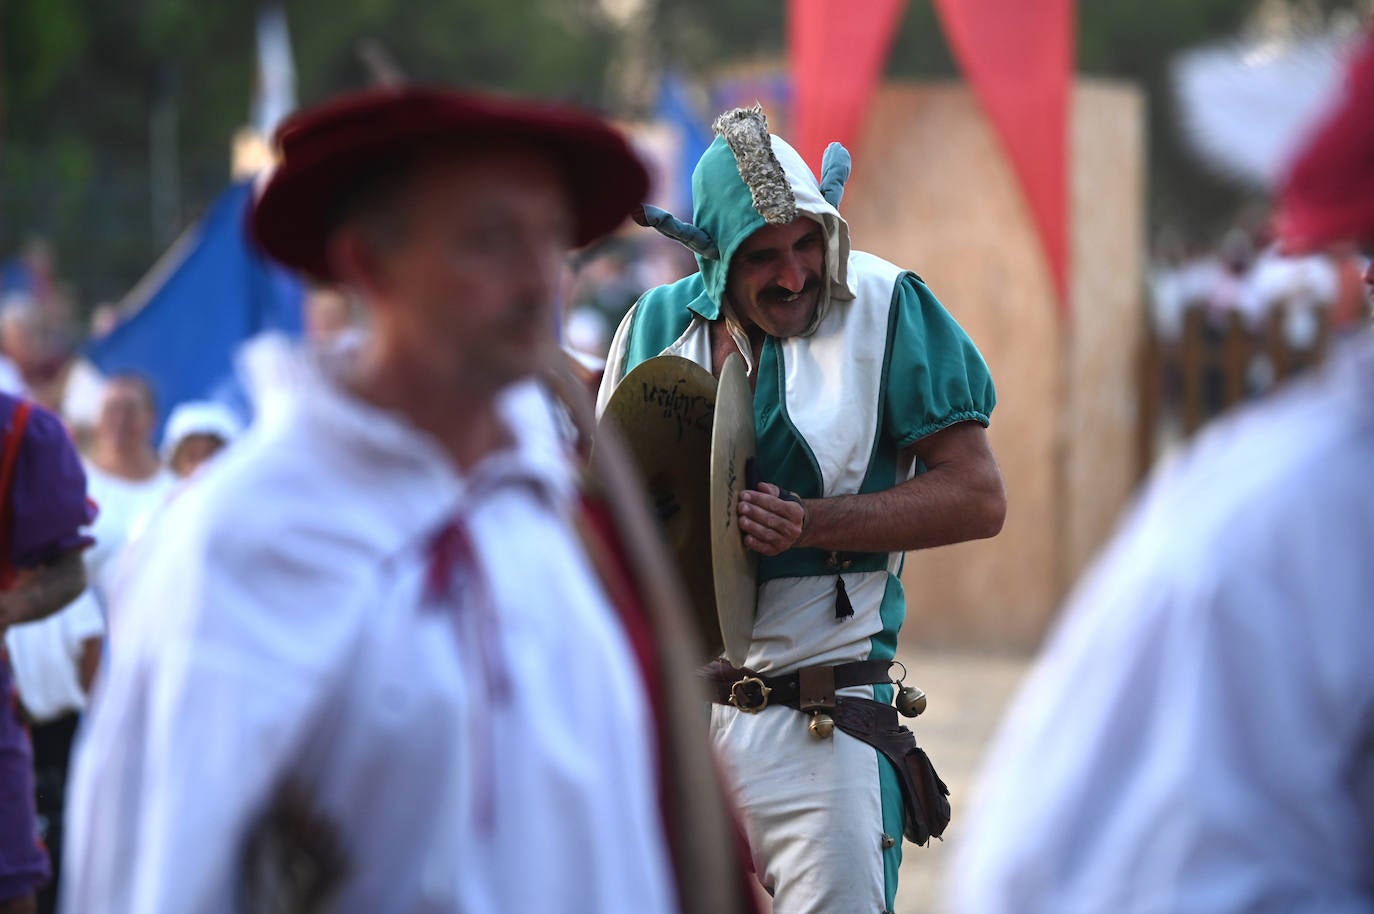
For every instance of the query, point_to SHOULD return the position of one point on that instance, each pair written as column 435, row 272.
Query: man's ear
column 355, row 260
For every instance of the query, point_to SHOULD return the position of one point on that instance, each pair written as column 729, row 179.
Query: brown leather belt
column 810, row 688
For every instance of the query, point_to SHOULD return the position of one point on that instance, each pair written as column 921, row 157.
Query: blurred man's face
column 126, row 415
column 775, row 277
column 468, row 285
column 192, row 451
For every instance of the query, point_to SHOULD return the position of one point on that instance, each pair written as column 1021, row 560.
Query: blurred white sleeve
column 46, row 656
column 615, row 360
column 1198, row 735
column 217, row 666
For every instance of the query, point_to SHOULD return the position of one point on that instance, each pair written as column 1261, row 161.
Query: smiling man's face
column 776, row 275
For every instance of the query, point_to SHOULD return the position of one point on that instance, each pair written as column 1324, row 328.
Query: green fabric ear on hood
column 835, row 166
column 670, row 226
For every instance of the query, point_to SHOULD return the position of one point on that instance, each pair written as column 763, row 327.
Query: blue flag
column 221, row 292
column 675, row 107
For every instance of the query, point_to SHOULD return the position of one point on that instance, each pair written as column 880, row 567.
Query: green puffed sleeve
column 935, row 375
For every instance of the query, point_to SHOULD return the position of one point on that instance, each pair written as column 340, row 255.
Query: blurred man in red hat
column 1198, row 736
column 369, row 637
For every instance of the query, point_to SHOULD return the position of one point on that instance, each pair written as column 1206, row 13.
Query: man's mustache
column 778, row 293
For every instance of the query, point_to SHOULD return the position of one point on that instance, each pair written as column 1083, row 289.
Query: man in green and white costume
column 870, row 405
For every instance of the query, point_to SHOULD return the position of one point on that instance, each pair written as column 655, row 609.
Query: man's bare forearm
column 929, row 510
column 960, row 497
column 44, row 590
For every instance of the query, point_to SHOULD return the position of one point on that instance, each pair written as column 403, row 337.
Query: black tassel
column 843, row 608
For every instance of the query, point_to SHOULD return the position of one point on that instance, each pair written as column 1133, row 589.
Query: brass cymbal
column 735, row 568
column 663, row 410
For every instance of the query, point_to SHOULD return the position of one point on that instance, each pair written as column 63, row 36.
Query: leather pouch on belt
column 925, row 798
column 931, row 795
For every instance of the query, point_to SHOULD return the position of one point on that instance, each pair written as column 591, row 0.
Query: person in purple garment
column 43, row 507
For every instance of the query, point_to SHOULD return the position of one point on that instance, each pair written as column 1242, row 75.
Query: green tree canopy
column 84, row 81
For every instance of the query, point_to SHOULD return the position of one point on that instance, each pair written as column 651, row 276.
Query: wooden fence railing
column 1213, row 366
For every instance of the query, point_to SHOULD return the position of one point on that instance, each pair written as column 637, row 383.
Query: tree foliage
column 83, row 79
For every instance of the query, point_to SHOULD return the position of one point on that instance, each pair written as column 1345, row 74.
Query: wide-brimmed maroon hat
column 326, row 151
column 1327, row 194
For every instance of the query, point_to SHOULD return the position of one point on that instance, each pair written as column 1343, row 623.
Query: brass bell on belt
column 822, row 725
column 911, row 701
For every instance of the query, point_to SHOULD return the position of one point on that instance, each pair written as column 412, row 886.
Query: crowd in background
column 1228, row 321
column 135, row 455
column 1246, row 274
column 1245, row 280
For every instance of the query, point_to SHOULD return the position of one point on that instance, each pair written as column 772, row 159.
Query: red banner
column 1018, row 56
column 837, row 52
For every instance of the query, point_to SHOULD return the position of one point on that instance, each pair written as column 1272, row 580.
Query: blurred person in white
column 43, row 508
column 1302, row 289
column 268, row 367
column 35, row 341
column 56, row 659
column 1197, row 736
column 17, row 315
column 1168, row 294
column 11, row 381
column 1172, row 284
column 1235, row 259
column 123, row 473
column 376, row 618
column 586, row 334
column 196, row 431
column 1199, row 274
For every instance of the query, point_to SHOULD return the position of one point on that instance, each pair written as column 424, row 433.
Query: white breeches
column 813, row 811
